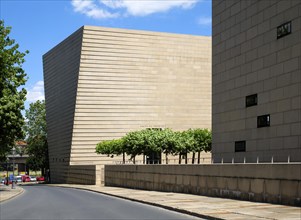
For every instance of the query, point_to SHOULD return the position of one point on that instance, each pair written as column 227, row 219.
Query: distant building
column 256, row 81
column 17, row 157
column 101, row 83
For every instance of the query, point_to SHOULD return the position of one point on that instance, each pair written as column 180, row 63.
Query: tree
column 134, row 143
column 184, row 144
column 167, row 142
column 12, row 77
column 153, row 142
column 202, row 141
column 36, row 132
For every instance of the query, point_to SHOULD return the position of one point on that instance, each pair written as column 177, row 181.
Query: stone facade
column 273, row 183
column 256, row 103
column 101, row 83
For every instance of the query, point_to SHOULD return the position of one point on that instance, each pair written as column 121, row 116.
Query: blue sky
column 39, row 25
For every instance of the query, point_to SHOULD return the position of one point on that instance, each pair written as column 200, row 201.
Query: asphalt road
column 44, row 202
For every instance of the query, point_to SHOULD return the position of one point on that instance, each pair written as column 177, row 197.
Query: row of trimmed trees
column 150, row 142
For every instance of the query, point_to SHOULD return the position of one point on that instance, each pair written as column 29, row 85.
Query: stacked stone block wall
column 248, row 58
column 273, row 183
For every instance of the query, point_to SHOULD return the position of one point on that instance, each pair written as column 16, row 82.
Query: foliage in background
column 36, row 132
column 155, row 141
column 12, row 98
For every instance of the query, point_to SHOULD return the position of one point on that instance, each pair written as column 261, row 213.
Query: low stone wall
column 273, row 183
column 82, row 174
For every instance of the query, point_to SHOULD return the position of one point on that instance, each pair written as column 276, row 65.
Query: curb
column 183, row 211
column 15, row 195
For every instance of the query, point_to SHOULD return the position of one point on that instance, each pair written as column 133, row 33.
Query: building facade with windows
column 256, row 103
column 101, row 83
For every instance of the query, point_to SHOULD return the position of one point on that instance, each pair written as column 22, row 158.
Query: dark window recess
column 240, row 146
column 284, row 29
column 263, row 121
column 251, row 100
column 155, row 129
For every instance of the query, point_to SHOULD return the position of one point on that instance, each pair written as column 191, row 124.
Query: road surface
column 54, row 203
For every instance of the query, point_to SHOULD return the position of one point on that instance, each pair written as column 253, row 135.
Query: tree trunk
column 166, row 158
column 199, row 157
column 134, row 160
column 186, row 161
column 180, row 158
column 143, row 158
column 123, row 157
column 193, row 157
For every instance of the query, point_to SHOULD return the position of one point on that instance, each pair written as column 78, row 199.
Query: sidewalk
column 6, row 192
column 201, row 206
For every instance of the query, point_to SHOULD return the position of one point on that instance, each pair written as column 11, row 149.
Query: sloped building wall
column 130, row 80
column 61, row 68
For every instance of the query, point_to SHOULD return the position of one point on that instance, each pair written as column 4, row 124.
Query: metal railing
column 246, row 160
column 209, row 160
column 173, row 161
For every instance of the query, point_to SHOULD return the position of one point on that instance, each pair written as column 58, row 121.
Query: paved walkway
column 202, row 206
column 6, row 192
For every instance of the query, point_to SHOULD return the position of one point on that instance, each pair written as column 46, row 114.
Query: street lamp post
column 7, row 171
column 13, row 180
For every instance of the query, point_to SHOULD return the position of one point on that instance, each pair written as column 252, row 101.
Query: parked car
column 5, row 181
column 40, row 178
column 18, row 179
column 32, row 178
column 25, row 178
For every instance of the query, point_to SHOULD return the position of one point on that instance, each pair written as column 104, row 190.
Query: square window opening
column 263, row 121
column 240, row 146
column 251, row 100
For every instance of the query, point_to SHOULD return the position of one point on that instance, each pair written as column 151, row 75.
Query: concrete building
column 101, row 83
column 256, row 81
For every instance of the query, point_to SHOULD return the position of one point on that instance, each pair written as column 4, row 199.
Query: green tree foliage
column 12, row 77
column 168, row 143
column 20, row 150
column 184, row 144
column 36, row 132
column 154, row 141
column 201, row 141
column 110, row 148
column 206, row 140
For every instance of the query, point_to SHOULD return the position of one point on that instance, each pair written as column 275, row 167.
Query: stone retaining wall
column 273, row 183
column 82, row 174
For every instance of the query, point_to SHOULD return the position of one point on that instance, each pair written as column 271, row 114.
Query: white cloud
column 89, row 8
column 36, row 92
column 117, row 8
column 205, row 21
